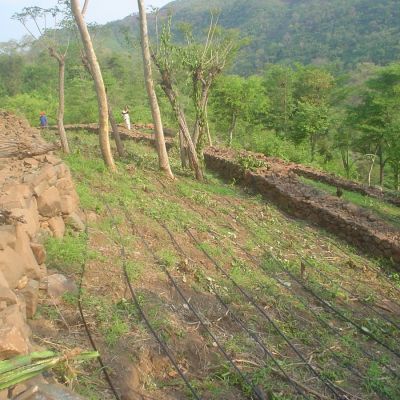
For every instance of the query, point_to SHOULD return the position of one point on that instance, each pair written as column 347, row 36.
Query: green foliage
column 342, row 33
column 250, row 163
column 69, row 253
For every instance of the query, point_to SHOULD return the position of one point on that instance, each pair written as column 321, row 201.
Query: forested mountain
column 317, row 84
column 339, row 32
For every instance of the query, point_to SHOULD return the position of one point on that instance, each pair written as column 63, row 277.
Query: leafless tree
column 98, row 81
column 155, row 109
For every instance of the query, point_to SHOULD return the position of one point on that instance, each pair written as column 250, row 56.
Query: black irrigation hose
column 220, row 347
column 377, row 271
column 331, row 388
column 89, row 335
column 237, row 319
column 334, row 355
column 340, row 314
column 143, row 315
column 351, row 369
column 321, row 321
column 370, row 356
column 364, row 303
column 235, row 219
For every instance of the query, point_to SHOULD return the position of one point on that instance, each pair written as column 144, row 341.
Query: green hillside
column 340, row 32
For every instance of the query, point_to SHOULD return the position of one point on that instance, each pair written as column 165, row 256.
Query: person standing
column 43, row 120
column 127, row 119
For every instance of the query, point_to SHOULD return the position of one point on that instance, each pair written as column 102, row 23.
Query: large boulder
column 39, row 252
column 57, row 226
column 14, row 338
column 49, row 202
column 58, row 285
column 12, row 266
column 31, row 296
column 23, row 248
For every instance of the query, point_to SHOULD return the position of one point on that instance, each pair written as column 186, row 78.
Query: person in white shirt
column 125, row 114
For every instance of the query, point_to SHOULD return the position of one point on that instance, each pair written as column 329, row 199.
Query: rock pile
column 37, row 197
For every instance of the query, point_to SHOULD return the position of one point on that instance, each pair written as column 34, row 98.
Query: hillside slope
column 344, row 32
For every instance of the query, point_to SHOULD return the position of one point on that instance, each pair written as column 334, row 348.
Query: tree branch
column 84, row 8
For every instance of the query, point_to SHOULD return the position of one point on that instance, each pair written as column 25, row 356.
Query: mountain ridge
column 340, row 32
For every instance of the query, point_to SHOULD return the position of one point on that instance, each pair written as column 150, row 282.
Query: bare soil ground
column 249, row 303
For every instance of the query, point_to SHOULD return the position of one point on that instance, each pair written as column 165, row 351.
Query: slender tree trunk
column 231, row 129
column 61, row 106
column 183, row 128
column 183, row 149
column 313, row 139
column 155, row 109
column 114, row 127
column 99, row 85
column 382, row 163
column 61, row 99
column 201, row 120
column 210, row 143
column 371, row 169
column 346, row 161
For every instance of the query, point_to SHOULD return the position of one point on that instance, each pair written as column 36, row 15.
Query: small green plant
column 250, row 162
column 21, row 368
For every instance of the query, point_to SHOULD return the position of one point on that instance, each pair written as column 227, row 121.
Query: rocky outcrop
column 37, row 197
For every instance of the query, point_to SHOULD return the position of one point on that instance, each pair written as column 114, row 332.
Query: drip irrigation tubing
column 329, row 386
column 86, row 326
column 320, row 320
column 162, row 345
column 236, row 318
column 366, row 353
column 339, row 313
column 380, row 273
column 89, row 334
column 190, row 306
column 351, row 369
column 364, row 303
column 376, row 270
column 370, row 356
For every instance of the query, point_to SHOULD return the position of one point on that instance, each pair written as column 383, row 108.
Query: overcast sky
column 100, row 11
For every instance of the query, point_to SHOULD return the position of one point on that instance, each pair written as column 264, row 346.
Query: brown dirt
column 138, row 366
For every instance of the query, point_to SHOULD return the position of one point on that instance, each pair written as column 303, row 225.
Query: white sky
column 100, row 11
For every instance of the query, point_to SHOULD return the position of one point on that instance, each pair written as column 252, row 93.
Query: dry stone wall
column 354, row 224
column 279, row 183
column 37, row 197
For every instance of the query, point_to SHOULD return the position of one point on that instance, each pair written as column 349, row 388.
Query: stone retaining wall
column 352, row 186
column 354, row 224
column 37, row 199
column 280, row 184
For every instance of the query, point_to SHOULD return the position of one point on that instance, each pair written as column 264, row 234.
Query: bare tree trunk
column 98, row 82
column 382, row 163
column 231, row 129
column 166, row 85
column 114, row 126
column 210, row 143
column 183, row 150
column 371, row 169
column 201, row 119
column 61, row 99
column 155, row 109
